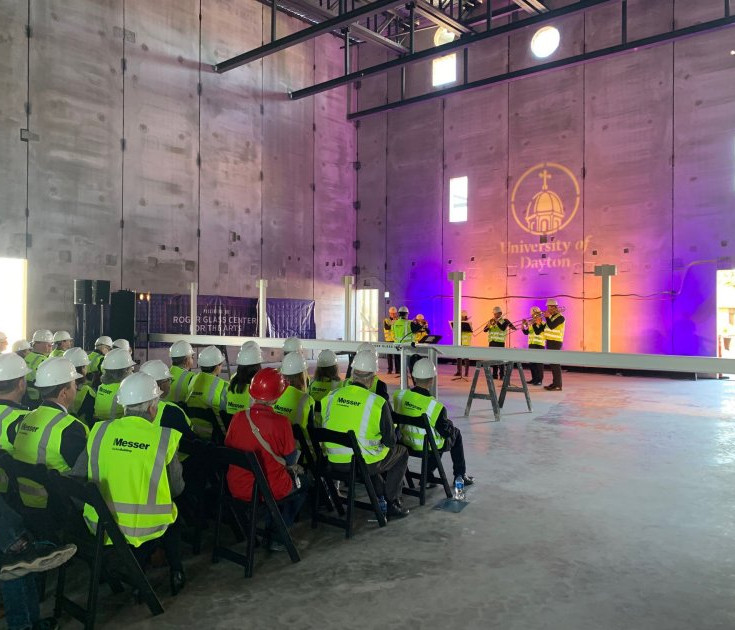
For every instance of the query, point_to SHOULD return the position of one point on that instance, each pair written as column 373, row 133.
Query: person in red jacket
column 275, row 450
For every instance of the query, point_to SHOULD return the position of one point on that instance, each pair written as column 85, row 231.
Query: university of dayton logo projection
column 545, row 199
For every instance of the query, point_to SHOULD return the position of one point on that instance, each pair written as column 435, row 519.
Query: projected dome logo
column 545, row 198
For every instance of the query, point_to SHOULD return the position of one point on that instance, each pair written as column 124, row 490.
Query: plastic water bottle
column 383, row 504
column 459, row 488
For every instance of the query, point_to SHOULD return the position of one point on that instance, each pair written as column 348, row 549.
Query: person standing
column 497, row 333
column 401, row 334
column 534, row 330
column 388, row 335
column 554, row 335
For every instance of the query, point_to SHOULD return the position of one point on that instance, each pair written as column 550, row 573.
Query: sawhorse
column 495, row 400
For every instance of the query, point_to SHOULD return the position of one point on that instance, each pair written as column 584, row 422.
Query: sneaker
column 35, row 558
column 468, row 481
column 396, row 510
column 553, row 388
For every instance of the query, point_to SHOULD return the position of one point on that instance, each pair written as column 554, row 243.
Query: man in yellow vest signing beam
column 133, row 462
column 418, row 401
column 356, row 408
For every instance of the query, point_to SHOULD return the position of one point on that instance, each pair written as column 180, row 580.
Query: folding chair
column 328, row 474
column 429, row 447
column 210, row 417
column 226, row 457
column 115, row 563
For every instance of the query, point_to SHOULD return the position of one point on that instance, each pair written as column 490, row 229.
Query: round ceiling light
column 545, row 42
column 443, row 36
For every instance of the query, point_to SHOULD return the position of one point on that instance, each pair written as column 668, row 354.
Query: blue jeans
column 20, row 596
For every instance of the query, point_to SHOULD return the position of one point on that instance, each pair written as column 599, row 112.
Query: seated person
column 83, row 406
column 133, row 462
column 207, row 391
column 116, row 365
column 295, row 402
column 169, row 414
column 269, row 435
column 354, row 407
column 377, row 386
column 102, row 346
column 13, row 370
column 182, row 362
column 249, row 362
column 417, row 401
column 326, row 376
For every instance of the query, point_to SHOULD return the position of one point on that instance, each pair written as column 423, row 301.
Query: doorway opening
column 726, row 313
column 14, row 273
column 367, row 314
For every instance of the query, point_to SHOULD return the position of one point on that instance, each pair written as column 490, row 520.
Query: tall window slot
column 444, row 70
column 458, row 195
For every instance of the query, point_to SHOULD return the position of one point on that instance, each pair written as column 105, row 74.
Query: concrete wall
column 273, row 196
column 646, row 145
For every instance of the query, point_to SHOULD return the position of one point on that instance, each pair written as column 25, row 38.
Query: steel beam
column 534, row 7
column 639, row 44
column 306, row 34
column 445, row 49
column 440, row 18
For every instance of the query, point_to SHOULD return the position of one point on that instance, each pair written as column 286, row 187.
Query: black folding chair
column 357, row 472
column 115, row 563
column 429, row 448
column 210, row 417
column 224, row 458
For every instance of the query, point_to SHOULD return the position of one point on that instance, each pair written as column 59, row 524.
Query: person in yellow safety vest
column 50, row 435
column 466, row 340
column 62, row 342
column 295, row 402
column 389, row 336
column 83, row 406
column 3, row 342
column 356, row 408
column 102, row 346
column 182, row 362
column 534, row 330
column 116, row 365
column 207, row 391
column 21, row 348
column 402, row 334
column 40, row 349
column 249, row 362
column 377, row 386
column 134, row 464
column 497, row 332
column 554, row 335
column 169, row 414
column 12, row 390
column 418, row 401
column 326, row 376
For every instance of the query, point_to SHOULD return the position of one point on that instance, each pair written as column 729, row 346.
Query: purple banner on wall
column 232, row 316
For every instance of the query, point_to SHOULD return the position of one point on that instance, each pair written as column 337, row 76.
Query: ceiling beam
column 440, row 18
column 533, row 7
column 306, row 34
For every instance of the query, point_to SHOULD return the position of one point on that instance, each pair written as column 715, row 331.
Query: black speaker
column 100, row 292
column 83, row 291
column 122, row 316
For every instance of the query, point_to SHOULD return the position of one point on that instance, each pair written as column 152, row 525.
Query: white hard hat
column 121, row 343
column 12, row 366
column 250, row 355
column 138, row 388
column 180, row 349
column 157, row 369
column 104, row 340
column 366, row 345
column 497, row 309
column 403, row 309
column 77, row 356
column 535, row 310
column 20, row 345
column 292, row 344
column 326, row 358
column 42, row 336
column 552, row 302
column 424, row 369
column 293, row 363
column 365, row 361
column 210, row 357
column 249, row 344
column 56, row 371
column 117, row 359
column 61, row 335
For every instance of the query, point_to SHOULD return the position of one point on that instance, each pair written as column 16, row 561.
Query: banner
column 231, row 316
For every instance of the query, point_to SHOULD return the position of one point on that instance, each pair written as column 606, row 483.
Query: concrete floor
column 610, row 506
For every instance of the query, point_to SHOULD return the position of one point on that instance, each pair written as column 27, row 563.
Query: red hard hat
column 267, row 385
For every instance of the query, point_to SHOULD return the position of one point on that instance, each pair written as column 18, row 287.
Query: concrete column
column 349, row 282
column 605, row 272
column 457, row 277
column 193, row 293
column 262, row 315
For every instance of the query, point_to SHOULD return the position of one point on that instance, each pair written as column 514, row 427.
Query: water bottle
column 459, row 488
column 383, row 504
